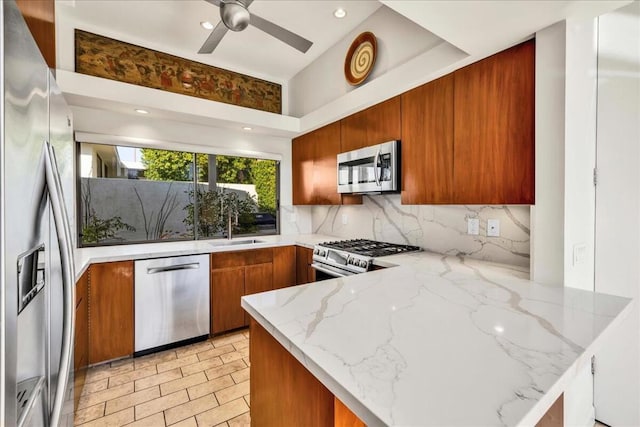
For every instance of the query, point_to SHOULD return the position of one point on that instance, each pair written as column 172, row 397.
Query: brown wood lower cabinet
column 304, row 272
column 233, row 275
column 284, row 266
column 227, row 287
column 343, row 417
column 555, row 415
column 289, row 392
column 81, row 339
column 111, row 320
column 292, row 393
column 258, row 278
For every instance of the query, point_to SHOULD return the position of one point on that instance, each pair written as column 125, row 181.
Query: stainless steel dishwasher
column 171, row 302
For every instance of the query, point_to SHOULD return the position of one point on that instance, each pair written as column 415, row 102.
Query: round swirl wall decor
column 360, row 58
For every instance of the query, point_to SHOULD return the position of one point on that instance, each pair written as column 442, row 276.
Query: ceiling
column 174, row 27
column 479, row 27
column 475, row 28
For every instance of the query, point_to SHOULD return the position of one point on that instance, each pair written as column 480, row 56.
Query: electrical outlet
column 473, row 226
column 293, row 217
column 493, row 228
column 345, row 219
column 579, row 253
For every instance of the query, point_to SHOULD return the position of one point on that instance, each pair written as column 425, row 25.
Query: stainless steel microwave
column 374, row 169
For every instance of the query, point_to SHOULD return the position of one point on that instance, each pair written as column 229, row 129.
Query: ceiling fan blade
column 214, row 38
column 280, row 33
column 219, row 2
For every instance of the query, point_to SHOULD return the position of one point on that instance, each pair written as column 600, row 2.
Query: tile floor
column 203, row 384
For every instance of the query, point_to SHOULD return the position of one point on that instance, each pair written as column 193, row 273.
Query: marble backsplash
column 437, row 228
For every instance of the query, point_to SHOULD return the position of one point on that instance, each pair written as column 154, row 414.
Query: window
column 139, row 195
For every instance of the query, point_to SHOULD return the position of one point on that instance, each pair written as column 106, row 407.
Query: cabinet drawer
column 241, row 258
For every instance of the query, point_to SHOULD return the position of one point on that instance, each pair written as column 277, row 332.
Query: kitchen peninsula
column 436, row 340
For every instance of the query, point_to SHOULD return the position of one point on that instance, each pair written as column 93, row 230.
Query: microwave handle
column 376, row 160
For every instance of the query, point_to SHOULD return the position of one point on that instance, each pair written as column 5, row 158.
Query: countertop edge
column 560, row 386
column 369, row 418
column 134, row 252
column 535, row 413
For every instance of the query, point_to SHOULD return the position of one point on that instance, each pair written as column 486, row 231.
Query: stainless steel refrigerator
column 36, row 247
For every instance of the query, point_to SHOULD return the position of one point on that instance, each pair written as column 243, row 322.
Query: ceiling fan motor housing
column 235, row 15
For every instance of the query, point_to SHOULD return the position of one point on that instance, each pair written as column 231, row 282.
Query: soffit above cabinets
column 471, row 30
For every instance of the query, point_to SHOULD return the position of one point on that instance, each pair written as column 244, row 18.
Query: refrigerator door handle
column 54, row 187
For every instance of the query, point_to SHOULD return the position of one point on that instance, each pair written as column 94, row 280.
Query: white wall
column 563, row 218
column 398, row 40
column 88, row 161
column 547, row 216
column 617, row 379
column 580, row 152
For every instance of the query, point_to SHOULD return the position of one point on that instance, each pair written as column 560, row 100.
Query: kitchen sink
column 236, row 242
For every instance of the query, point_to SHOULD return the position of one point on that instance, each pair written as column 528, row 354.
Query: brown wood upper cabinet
column 377, row 124
column 40, row 18
column 314, row 163
column 494, row 140
column 427, row 143
column 467, row 138
column 111, row 324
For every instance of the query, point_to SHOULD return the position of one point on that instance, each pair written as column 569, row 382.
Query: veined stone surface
column 437, row 228
column 440, row 340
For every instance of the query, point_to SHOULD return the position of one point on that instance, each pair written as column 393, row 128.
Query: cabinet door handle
column 190, row 266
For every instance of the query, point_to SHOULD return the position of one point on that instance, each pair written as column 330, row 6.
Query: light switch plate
column 293, row 217
column 579, row 253
column 493, row 228
column 345, row 219
column 473, row 226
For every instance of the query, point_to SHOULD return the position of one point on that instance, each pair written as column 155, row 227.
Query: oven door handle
column 329, row 271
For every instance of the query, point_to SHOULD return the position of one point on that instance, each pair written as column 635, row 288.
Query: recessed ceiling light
column 141, row 111
column 206, row 25
column 247, row 128
column 339, row 13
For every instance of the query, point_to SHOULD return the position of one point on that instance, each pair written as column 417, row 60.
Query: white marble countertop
column 83, row 257
column 440, row 340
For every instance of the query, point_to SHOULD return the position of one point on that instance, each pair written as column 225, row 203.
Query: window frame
column 194, row 183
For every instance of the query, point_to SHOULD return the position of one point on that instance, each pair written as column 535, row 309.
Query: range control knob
column 316, row 251
column 363, row 264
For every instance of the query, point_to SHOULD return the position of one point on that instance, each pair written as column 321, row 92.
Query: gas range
column 347, row 257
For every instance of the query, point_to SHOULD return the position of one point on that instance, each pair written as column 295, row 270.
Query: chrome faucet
column 229, row 224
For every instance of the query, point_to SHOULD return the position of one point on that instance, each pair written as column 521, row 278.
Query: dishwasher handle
column 190, row 266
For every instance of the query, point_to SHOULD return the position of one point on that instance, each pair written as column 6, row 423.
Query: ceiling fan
column 235, row 16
